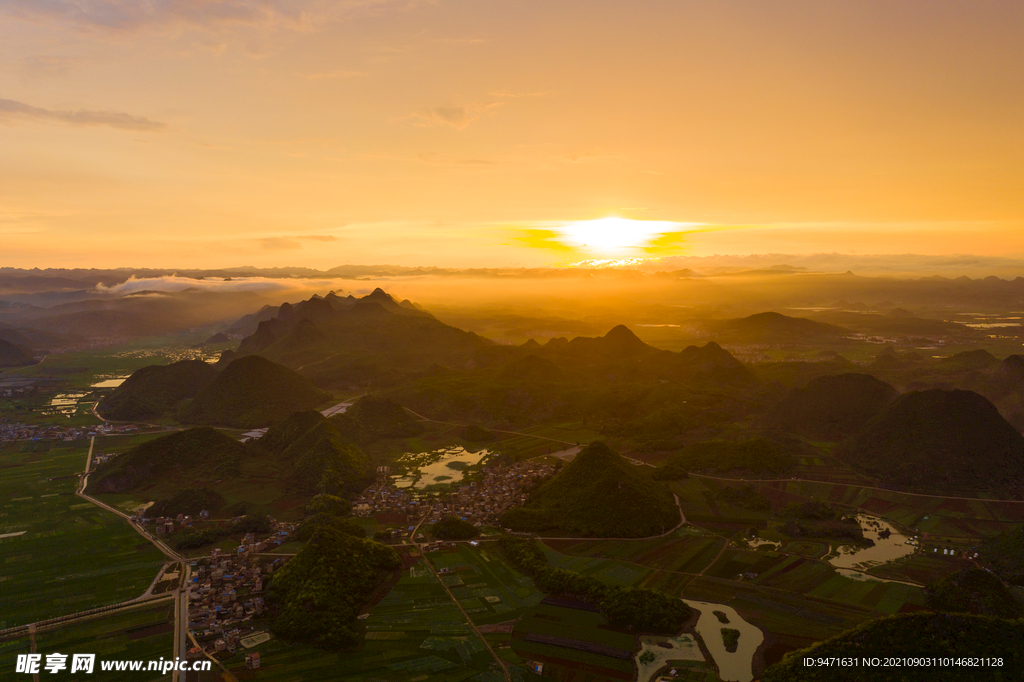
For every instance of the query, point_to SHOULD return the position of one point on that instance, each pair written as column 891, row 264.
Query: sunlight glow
column 615, row 236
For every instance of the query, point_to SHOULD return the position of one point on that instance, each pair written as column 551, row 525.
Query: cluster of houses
column 11, row 389
column 20, row 431
column 502, row 488
column 480, row 502
column 226, row 594
column 384, row 498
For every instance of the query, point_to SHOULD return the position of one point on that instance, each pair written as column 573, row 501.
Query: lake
column 436, row 468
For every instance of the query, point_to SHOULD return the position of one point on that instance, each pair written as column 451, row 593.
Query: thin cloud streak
column 12, row 111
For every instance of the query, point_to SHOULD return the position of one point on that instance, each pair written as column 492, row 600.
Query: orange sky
column 201, row 133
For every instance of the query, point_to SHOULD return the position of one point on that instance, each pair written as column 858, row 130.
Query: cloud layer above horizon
column 201, row 133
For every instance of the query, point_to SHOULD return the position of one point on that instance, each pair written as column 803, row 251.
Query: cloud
column 458, row 117
column 279, row 244
column 172, row 283
column 319, row 237
column 127, row 15
column 135, row 15
column 11, row 111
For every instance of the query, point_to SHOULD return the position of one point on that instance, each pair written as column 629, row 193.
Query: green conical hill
column 598, row 494
column 154, row 391
column 316, row 596
column 371, row 418
column 200, row 454
column 832, row 407
column 937, row 439
column 15, row 355
column 252, row 392
column 280, row 437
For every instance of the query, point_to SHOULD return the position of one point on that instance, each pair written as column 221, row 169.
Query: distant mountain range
column 336, row 340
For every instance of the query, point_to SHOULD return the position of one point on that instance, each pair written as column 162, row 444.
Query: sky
column 458, row 133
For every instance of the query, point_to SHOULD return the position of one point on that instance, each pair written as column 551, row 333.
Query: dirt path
column 499, row 661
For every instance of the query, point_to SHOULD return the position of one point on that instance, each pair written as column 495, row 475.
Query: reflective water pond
column 64, row 403
column 889, row 545
column 664, row 649
column 438, row 467
column 109, row 383
column 734, row 666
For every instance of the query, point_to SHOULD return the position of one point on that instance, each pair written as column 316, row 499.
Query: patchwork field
column 70, row 555
column 567, row 635
column 415, row 631
column 142, row 634
column 487, row 588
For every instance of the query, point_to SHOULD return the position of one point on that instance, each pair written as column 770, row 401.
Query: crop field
column 562, row 636
column 489, row 589
column 816, row 579
column 71, row 555
column 686, row 553
column 778, row 612
column 970, row 518
column 415, row 631
column 606, row 570
column 141, row 634
column 921, row 567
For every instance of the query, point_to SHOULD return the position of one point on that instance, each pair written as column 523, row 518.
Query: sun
column 613, row 236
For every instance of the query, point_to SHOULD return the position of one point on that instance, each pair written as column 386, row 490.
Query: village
column 480, row 502
column 15, row 431
column 225, row 591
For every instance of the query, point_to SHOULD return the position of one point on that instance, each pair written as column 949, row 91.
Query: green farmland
column 415, row 631
column 71, row 555
column 141, row 634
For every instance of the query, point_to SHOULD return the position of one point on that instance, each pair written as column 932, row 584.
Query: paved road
column 340, row 407
column 180, row 594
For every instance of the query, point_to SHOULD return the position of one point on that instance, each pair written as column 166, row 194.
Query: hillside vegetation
column 155, row 391
column 597, row 494
column 252, row 392
column 832, row 407
column 1004, row 554
column 197, row 455
column 315, row 597
column 758, row 455
column 914, row 634
column 371, row 418
column 15, row 355
column 975, row 591
column 939, row 440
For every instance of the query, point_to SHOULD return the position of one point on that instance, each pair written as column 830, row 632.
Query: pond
column 109, row 383
column 889, row 548
column 64, row 403
column 438, row 467
column 736, row 666
column 665, row 649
